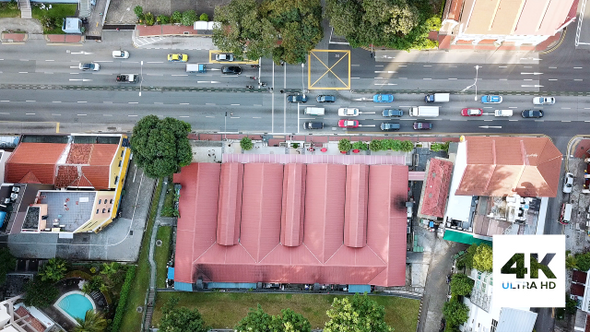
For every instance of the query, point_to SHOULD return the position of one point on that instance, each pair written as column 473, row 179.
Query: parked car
column 491, row 99
column 389, row 126
column 422, row 125
column 89, row 66
column 348, row 111
column 224, row 57
column 313, row 125
column 532, row 114
column 383, row 98
column 325, row 99
column 390, row 112
column 120, row 54
column 231, row 70
column 568, row 183
column 544, row 100
column 177, row 57
column 297, row 98
column 348, row 123
column 471, row 112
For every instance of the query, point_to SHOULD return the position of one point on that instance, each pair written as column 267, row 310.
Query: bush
column 246, row 144
column 396, row 145
column 204, row 17
column 188, row 18
column 407, row 146
column 344, row 145
column 583, row 261
column 360, row 146
column 163, row 19
column 176, row 17
column 138, row 10
column 386, row 144
column 570, row 305
column 169, row 211
column 150, row 19
column 461, row 284
column 39, row 293
column 121, row 306
column 439, row 147
column 375, row 145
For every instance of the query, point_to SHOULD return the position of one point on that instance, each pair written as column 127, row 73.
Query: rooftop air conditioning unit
column 13, row 196
column 15, row 189
column 7, row 200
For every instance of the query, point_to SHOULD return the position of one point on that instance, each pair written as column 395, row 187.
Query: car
column 348, row 111
column 297, row 98
column 491, row 99
column 388, row 126
column 544, row 100
column 471, row 112
column 325, row 99
column 389, row 112
column 568, row 183
column 120, row 54
column 532, row 114
column 422, row 125
column 224, row 57
column 383, row 98
column 177, row 57
column 348, row 123
column 231, row 70
column 89, row 66
column 313, row 125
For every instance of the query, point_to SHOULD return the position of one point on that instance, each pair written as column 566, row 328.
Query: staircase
column 25, row 8
column 147, row 323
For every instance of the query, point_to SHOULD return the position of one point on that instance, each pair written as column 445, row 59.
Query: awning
column 361, row 289
column 171, row 273
column 461, row 237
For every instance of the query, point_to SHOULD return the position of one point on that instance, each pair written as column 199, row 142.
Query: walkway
column 312, row 159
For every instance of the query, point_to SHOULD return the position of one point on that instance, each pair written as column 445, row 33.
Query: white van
column 314, row 111
column 566, row 213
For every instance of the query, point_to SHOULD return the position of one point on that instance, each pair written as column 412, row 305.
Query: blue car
column 381, row 98
column 491, row 99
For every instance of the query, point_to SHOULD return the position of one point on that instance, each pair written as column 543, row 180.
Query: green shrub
column 188, row 18
column 396, row 145
column 375, row 145
column 204, row 17
column 120, row 311
column 176, row 17
column 407, row 146
column 295, row 145
column 150, row 19
column 583, row 261
column 163, row 19
column 344, row 145
column 360, row 146
column 169, row 211
column 138, row 10
column 246, row 144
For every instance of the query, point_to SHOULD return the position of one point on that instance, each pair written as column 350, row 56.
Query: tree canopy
column 455, row 312
column 92, row 322
column 356, row 314
column 399, row 24
column 7, row 263
column 54, row 270
column 181, row 319
column 258, row 320
column 161, row 147
column 461, row 284
column 39, row 293
column 483, row 258
column 583, row 261
column 281, row 29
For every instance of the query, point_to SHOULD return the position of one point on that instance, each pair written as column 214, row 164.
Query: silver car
column 544, row 100
column 224, row 57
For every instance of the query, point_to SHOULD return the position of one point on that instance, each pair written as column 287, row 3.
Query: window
column 104, row 210
column 109, row 210
column 494, row 325
column 96, row 211
column 111, row 201
column 122, row 153
column 116, row 179
column 99, row 201
column 120, row 163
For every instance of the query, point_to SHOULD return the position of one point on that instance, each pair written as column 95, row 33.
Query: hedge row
column 129, row 278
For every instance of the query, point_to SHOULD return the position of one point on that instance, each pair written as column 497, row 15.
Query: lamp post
column 302, row 75
column 141, row 75
column 225, row 127
column 476, row 73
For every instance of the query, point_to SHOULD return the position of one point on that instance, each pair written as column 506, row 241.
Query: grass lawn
column 132, row 319
column 58, row 12
column 9, row 10
column 168, row 202
column 224, row 310
column 161, row 255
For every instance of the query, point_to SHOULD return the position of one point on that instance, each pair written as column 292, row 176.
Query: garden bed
column 52, row 19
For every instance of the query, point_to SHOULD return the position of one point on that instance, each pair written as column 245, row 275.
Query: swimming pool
column 74, row 305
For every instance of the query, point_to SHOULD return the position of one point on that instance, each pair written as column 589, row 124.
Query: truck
column 314, row 111
column 127, row 78
column 424, row 111
column 195, row 68
column 503, row 112
column 437, row 98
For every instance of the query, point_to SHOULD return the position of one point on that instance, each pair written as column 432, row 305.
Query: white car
column 120, row 54
column 348, row 111
column 568, row 183
column 544, row 100
column 89, row 66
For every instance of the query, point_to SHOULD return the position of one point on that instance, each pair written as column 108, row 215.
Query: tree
column 461, row 284
column 94, row 284
column 407, row 146
column 161, row 147
column 583, row 261
column 176, row 17
column 375, row 145
column 344, row 145
column 483, row 258
column 570, row 261
column 39, row 293
column 358, row 145
column 181, row 319
column 138, row 10
column 204, row 17
column 256, row 320
column 396, row 145
column 7, row 263
column 188, row 18
column 163, row 19
column 467, row 259
column 246, row 144
column 54, row 270
column 386, row 144
column 149, row 19
column 356, row 314
column 109, row 269
column 92, row 322
column 570, row 305
column 290, row 321
column 455, row 312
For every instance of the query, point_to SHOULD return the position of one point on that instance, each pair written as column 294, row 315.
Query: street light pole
column 141, row 75
column 302, row 84
column 476, row 73
column 225, row 130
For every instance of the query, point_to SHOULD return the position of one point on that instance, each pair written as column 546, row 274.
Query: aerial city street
column 279, row 165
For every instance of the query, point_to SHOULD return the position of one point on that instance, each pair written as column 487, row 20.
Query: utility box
column 72, row 25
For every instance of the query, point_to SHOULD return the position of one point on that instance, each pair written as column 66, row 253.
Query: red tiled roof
column 261, row 255
column 39, row 159
column 26, row 316
column 436, row 187
column 579, row 276
column 355, row 214
column 504, row 166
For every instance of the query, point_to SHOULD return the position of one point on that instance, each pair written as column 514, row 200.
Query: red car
column 471, row 112
column 348, row 123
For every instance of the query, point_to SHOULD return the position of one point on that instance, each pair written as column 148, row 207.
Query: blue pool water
column 75, row 305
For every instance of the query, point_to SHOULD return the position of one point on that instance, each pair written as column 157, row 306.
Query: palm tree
column 93, row 322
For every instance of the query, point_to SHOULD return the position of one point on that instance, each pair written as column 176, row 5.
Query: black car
column 532, row 114
column 325, row 99
column 231, row 70
column 393, row 113
column 422, row 125
column 386, row 126
column 297, row 98
column 313, row 125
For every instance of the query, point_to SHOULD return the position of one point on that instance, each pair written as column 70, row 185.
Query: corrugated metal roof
column 355, row 215
column 230, row 204
column 512, row 320
column 292, row 211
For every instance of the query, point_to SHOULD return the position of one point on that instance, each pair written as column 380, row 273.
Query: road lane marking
column 49, row 60
column 30, row 101
column 82, row 101
column 155, row 74
column 235, row 104
column 566, row 108
column 355, row 78
column 355, row 65
column 427, row 78
column 452, row 78
column 110, row 115
column 107, row 102
column 30, row 114
column 577, row 67
column 379, row 66
column 385, row 71
column 154, row 62
column 4, row 113
column 82, row 114
column 210, row 104
column 23, row 72
column 56, row 114
column 209, row 116
column 553, row 79
column 403, row 66
column 132, row 115
column 528, row 79
column 528, row 66
column 552, row 67
column 502, row 67
column 513, row 107
column 4, row 101
column 184, row 103
column 427, row 66
column 503, row 79
column 133, row 102
column 578, row 79
column 183, row 116
column 56, row 101
column 179, row 75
